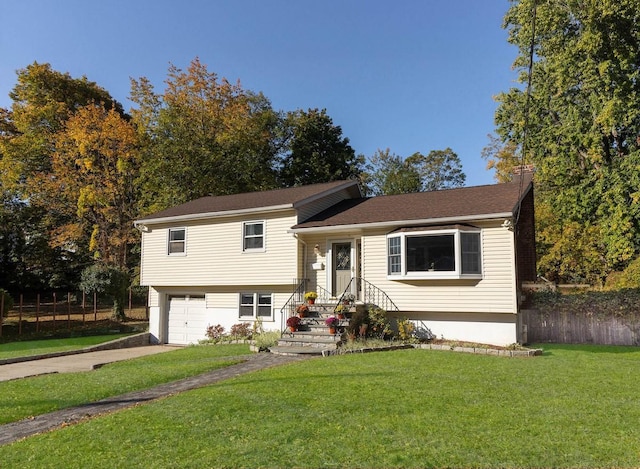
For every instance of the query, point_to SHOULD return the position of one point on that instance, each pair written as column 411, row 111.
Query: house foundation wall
column 494, row 329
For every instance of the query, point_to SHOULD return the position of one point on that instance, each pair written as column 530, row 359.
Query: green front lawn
column 26, row 397
column 572, row 407
column 39, row 347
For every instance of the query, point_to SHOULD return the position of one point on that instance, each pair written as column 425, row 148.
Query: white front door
column 187, row 319
column 342, row 262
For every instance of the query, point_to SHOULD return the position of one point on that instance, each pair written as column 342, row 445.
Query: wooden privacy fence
column 63, row 311
column 571, row 328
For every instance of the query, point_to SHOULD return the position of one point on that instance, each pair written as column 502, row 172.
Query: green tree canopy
column 316, row 150
column 203, row 136
column 440, row 169
column 390, row 174
column 582, row 124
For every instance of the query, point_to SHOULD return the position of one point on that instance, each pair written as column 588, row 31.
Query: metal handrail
column 323, row 294
column 370, row 294
column 289, row 307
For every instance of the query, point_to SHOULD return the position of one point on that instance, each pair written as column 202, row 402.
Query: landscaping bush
column 240, row 331
column 215, row 333
column 266, row 339
column 379, row 325
column 358, row 324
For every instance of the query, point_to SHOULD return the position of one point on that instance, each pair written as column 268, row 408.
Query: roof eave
column 313, row 198
column 209, row 215
column 396, row 223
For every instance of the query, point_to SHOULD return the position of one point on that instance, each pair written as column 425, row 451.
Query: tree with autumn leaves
column 580, row 126
column 76, row 170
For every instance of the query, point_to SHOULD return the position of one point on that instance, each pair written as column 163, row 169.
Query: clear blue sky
column 409, row 75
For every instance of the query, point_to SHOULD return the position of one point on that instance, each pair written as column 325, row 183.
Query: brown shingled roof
column 463, row 203
column 252, row 200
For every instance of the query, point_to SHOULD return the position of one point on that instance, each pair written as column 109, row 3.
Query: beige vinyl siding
column 154, row 297
column 317, row 206
column 495, row 293
column 214, row 254
column 316, row 277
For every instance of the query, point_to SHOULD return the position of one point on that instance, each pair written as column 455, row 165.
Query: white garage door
column 187, row 319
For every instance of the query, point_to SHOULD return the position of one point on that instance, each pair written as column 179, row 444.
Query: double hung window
column 177, row 243
column 256, row 305
column 253, row 236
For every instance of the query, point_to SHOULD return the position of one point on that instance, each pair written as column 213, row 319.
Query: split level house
column 451, row 261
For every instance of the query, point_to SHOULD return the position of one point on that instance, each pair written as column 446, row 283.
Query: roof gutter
column 388, row 224
column 205, row 216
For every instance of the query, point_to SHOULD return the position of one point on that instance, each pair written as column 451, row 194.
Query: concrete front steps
column 312, row 336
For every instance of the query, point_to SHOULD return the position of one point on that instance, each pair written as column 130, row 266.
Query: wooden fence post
column 54, row 311
column 69, row 310
column 1, row 312
column 95, row 307
column 20, row 315
column 84, row 306
column 38, row 312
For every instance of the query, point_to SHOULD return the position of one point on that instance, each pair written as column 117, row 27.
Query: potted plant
column 293, row 322
column 302, row 310
column 310, row 297
column 332, row 323
column 340, row 311
column 348, row 298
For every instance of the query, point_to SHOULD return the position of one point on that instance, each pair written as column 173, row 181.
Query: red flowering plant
column 332, row 321
column 293, row 321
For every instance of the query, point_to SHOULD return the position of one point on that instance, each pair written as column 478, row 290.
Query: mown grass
column 27, row 397
column 37, row 347
column 572, row 407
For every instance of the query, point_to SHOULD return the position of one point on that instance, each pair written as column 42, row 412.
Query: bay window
column 434, row 253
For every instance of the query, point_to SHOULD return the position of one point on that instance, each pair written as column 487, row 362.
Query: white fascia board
column 204, row 216
column 398, row 223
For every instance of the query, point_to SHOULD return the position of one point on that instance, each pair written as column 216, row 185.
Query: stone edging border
column 450, row 348
column 483, row 350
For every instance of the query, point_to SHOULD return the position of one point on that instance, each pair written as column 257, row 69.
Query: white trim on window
column 177, row 241
column 254, row 236
column 434, row 254
column 255, row 305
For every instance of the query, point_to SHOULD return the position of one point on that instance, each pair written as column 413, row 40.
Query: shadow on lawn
column 547, row 349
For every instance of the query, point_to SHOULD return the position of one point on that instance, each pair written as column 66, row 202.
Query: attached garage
column 187, row 321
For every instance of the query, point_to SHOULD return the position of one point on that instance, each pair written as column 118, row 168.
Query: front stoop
column 312, row 336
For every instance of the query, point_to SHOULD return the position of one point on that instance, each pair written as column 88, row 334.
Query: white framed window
column 434, row 254
column 253, row 236
column 256, row 305
column 177, row 242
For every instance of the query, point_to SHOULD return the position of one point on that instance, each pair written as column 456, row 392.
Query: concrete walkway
column 17, row 430
column 76, row 362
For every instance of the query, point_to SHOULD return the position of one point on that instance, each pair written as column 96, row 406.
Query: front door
column 342, row 267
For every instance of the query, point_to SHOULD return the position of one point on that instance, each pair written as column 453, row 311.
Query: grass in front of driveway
column 572, row 407
column 27, row 397
column 38, row 347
